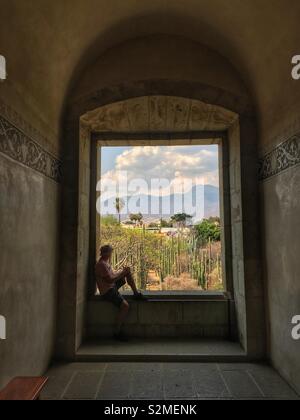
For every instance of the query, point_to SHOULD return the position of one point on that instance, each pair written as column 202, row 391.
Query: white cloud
column 197, row 164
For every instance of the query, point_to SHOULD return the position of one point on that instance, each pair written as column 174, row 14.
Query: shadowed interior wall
column 160, row 57
column 280, row 183
column 29, row 201
column 28, row 269
column 280, row 192
column 282, row 230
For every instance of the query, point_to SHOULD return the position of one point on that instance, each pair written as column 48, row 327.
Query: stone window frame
column 248, row 305
column 192, row 138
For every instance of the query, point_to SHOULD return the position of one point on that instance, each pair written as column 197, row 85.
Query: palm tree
column 119, row 204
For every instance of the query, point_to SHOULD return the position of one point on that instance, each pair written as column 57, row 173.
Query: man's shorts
column 113, row 295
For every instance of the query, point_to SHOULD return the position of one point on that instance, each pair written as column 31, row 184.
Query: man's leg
column 131, row 283
column 138, row 295
column 122, row 315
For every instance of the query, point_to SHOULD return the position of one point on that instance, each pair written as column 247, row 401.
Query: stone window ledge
column 177, row 296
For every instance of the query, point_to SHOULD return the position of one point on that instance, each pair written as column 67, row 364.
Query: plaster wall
column 29, row 201
column 28, row 269
column 282, row 232
column 279, row 128
column 160, row 57
column 280, row 197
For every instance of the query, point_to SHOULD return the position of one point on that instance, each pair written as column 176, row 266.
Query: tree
column 119, row 204
column 209, row 230
column 165, row 223
column 181, row 219
column 215, row 220
column 153, row 225
column 137, row 218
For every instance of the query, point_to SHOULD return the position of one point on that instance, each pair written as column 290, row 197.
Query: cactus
column 183, row 254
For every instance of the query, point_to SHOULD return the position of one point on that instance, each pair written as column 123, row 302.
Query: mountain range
column 204, row 199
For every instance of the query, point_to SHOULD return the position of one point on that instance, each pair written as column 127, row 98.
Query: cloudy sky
column 197, row 164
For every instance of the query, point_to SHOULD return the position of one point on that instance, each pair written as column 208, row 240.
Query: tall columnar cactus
column 167, row 256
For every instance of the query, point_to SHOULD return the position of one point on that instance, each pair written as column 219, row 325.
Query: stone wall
column 84, row 252
column 29, row 208
column 163, row 319
column 280, row 189
column 236, row 227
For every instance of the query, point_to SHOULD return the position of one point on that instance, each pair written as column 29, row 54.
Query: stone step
column 163, row 350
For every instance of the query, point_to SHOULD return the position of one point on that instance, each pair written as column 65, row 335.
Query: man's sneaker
column 140, row 297
column 121, row 337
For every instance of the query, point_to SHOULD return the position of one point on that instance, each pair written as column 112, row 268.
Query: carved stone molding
column 21, row 148
column 283, row 157
column 17, row 120
column 159, row 113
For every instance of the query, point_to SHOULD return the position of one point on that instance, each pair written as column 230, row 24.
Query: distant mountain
column 201, row 201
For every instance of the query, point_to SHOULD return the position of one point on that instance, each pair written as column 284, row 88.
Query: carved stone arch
column 159, row 113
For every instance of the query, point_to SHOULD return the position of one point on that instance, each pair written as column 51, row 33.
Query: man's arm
column 108, row 276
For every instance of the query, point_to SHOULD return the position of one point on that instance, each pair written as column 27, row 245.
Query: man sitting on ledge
column 109, row 283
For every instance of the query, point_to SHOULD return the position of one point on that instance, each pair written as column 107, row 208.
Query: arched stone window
column 132, row 112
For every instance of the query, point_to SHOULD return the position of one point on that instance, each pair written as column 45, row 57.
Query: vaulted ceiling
column 48, row 43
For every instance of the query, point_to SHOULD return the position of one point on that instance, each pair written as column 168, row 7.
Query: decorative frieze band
column 283, row 157
column 18, row 146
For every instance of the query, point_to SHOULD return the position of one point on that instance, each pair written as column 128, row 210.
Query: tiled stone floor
column 163, row 381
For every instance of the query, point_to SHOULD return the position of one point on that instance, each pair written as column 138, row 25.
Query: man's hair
column 106, row 249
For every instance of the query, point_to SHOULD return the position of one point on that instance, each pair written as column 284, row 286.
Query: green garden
column 167, row 256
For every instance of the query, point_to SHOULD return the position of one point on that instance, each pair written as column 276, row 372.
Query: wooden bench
column 23, row 389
